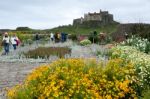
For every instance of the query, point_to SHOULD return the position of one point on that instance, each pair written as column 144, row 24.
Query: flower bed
column 78, row 79
column 43, row 52
column 140, row 60
column 139, row 43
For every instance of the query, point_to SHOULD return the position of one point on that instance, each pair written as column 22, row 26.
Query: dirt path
column 14, row 73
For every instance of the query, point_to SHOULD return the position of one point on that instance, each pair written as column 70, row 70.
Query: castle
column 98, row 19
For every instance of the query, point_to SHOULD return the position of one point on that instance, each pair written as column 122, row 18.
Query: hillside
column 83, row 30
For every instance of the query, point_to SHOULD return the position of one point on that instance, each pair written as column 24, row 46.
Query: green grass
column 82, row 30
column 71, row 30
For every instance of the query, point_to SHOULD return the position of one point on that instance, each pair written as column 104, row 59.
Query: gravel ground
column 14, row 67
column 14, row 73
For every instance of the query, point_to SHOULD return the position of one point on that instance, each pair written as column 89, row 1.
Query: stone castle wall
column 101, row 18
column 93, row 17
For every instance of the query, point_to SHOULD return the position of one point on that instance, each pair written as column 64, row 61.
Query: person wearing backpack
column 6, row 42
column 14, row 41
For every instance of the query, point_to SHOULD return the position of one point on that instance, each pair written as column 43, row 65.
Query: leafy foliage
column 94, row 37
column 78, row 78
column 139, row 43
column 73, row 37
column 85, row 42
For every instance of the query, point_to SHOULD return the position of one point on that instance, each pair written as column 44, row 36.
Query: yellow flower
column 121, row 94
column 67, row 77
column 108, row 97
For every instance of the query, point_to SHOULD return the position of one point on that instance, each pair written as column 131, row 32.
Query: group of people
column 54, row 37
column 9, row 40
column 13, row 40
column 58, row 37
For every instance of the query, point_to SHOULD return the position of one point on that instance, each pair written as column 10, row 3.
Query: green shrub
column 43, row 52
column 94, row 38
column 29, row 41
column 146, row 94
column 85, row 42
column 73, row 37
column 103, row 53
column 78, row 79
column 141, row 44
column 108, row 39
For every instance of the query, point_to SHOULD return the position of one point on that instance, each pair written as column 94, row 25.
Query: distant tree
column 94, row 37
column 142, row 30
column 23, row 29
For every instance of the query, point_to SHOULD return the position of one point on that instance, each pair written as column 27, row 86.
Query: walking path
column 14, row 67
column 13, row 73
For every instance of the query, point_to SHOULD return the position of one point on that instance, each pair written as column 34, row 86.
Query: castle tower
column 100, row 18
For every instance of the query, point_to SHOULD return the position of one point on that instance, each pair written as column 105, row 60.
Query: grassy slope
column 72, row 30
column 80, row 30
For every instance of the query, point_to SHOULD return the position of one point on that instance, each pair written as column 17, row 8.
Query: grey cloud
column 51, row 13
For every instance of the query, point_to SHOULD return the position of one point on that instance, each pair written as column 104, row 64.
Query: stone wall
column 94, row 19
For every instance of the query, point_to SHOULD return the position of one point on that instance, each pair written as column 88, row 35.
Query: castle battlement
column 102, row 17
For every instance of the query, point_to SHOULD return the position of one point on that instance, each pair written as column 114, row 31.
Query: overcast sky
column 44, row 14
